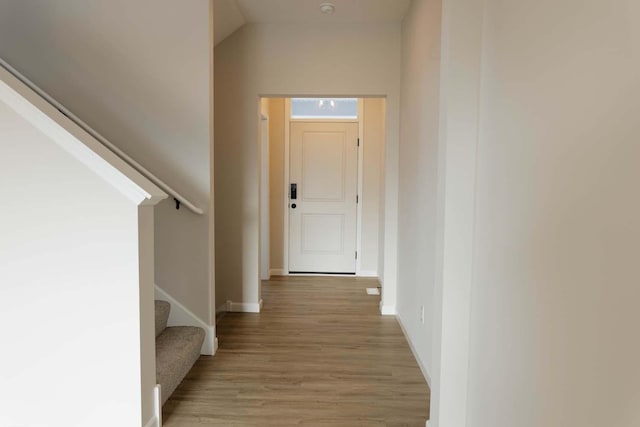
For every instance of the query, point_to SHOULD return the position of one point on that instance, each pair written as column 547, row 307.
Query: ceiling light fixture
column 327, row 8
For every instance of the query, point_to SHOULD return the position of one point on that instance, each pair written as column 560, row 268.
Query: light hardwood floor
column 319, row 354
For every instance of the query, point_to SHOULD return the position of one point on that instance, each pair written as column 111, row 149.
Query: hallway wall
column 554, row 317
column 537, row 220
column 418, row 186
column 373, row 145
column 290, row 60
column 70, row 267
column 139, row 73
column 276, row 182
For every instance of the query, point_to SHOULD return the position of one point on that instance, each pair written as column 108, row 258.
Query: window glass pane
column 324, row 108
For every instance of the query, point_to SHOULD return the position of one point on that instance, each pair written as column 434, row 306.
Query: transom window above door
column 324, row 108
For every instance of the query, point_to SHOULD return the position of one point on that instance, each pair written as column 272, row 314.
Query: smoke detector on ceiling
column 327, row 8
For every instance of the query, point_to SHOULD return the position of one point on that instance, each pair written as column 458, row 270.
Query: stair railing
column 179, row 199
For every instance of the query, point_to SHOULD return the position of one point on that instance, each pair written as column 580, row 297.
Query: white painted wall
column 459, row 99
column 537, row 227
column 382, row 204
column 372, row 146
column 27, row 118
column 276, row 184
column 139, row 73
column 290, row 60
column 265, row 205
column 418, row 186
column 554, row 314
column 71, row 317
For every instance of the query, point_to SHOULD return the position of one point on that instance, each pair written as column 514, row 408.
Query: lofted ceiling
column 230, row 15
column 227, row 18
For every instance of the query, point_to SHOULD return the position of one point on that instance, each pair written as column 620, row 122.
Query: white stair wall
column 76, row 280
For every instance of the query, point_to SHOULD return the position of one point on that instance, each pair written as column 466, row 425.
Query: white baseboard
column 320, row 275
column 423, row 368
column 221, row 309
column 244, row 307
column 387, row 310
column 182, row 316
column 427, row 424
column 156, row 420
column 367, row 273
column 277, row 272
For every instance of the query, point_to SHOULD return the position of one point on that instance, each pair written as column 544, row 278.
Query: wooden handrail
column 180, row 200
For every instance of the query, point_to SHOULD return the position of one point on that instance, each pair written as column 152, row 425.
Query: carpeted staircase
column 177, row 349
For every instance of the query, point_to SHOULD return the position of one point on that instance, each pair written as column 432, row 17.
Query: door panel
column 324, row 166
column 322, row 233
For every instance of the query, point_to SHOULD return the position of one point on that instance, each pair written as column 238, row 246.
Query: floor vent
column 373, row 291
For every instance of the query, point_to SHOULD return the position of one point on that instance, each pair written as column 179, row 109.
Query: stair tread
column 163, row 309
column 177, row 350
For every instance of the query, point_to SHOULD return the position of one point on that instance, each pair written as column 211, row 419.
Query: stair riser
column 163, row 309
column 177, row 349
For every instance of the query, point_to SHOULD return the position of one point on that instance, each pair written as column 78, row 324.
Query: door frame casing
column 360, row 175
column 265, row 238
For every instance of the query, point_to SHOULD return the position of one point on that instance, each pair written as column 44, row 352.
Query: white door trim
column 360, row 184
column 265, row 246
column 287, row 142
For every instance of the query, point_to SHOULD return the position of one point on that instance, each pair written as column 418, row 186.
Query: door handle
column 293, row 191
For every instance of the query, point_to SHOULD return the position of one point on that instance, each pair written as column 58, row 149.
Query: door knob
column 293, row 206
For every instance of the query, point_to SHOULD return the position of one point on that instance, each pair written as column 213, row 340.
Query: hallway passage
column 319, row 354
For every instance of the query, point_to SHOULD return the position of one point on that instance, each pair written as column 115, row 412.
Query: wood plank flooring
column 319, row 354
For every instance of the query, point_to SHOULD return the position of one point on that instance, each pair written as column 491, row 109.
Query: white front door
column 322, row 203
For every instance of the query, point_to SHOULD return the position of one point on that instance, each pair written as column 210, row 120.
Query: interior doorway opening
column 322, row 186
